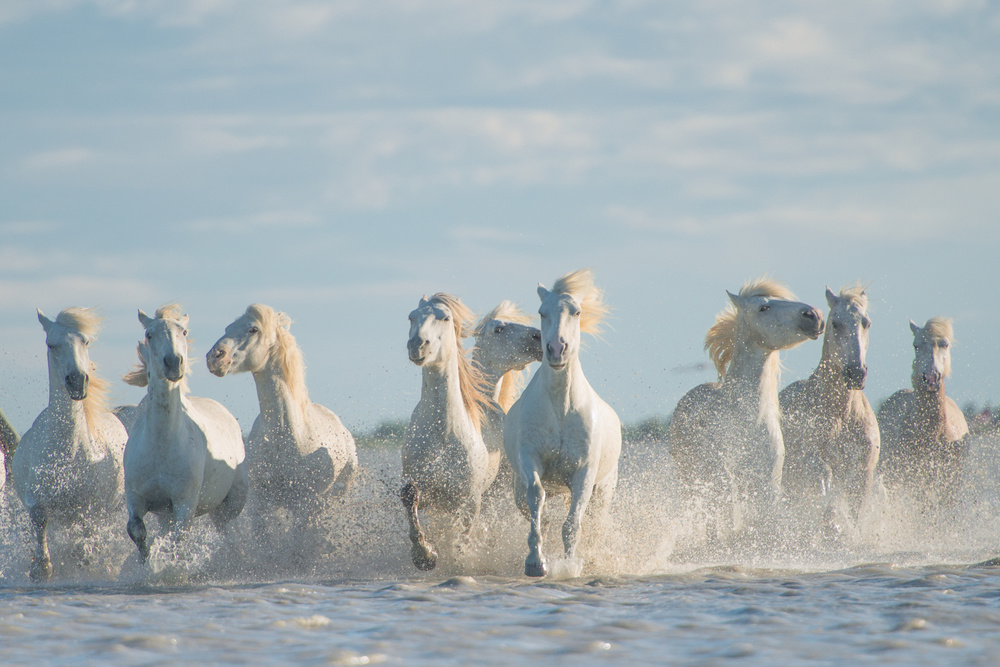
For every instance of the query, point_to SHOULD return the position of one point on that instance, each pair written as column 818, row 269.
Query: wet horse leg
column 422, row 552
column 534, row 564
column 41, row 563
column 136, row 529
column 581, row 489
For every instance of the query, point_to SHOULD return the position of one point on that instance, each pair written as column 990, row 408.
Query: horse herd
column 738, row 444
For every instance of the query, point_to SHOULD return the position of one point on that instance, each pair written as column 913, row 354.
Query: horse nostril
column 809, row 314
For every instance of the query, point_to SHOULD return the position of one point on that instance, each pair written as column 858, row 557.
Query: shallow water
column 907, row 591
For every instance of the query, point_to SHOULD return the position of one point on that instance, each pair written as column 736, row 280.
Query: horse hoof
column 535, row 569
column 41, row 570
column 424, row 559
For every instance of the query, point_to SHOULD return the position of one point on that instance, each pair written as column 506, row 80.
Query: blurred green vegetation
column 389, row 434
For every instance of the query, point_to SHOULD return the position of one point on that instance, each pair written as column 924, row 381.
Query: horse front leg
column 468, row 515
column 41, row 563
column 421, row 552
column 581, row 489
column 136, row 529
column 534, row 564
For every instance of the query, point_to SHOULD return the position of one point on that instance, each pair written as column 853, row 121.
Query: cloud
column 57, row 159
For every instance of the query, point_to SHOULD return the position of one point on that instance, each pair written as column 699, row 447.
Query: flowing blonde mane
column 856, row 294
column 139, row 375
column 720, row 341
column 580, row 285
column 513, row 380
column 941, row 327
column 88, row 322
column 286, row 351
column 470, row 377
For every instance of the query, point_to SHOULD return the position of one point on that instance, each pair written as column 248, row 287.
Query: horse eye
column 943, row 344
column 866, row 323
column 254, row 330
column 764, row 308
column 446, row 318
column 499, row 329
column 184, row 333
column 148, row 335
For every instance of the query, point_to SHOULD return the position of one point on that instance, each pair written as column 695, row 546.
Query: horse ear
column 423, row 301
column 734, row 299
column 542, row 292
column 831, row 298
column 145, row 319
column 46, row 322
column 913, row 327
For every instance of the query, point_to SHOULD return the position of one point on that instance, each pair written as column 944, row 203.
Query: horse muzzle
column 218, row 361
column 416, row 349
column 173, row 367
column 855, row 376
column 77, row 384
column 812, row 323
column 931, row 380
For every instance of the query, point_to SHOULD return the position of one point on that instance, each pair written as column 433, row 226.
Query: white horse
column 297, row 450
column 830, row 432
column 560, row 436
column 725, row 437
column 506, row 344
column 184, row 455
column 924, row 433
column 446, row 463
column 8, row 444
column 68, row 465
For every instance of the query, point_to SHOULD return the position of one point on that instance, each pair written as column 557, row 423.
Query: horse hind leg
column 422, row 552
column 41, row 563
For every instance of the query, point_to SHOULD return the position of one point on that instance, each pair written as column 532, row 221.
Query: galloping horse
column 184, row 455
column 924, row 443
column 505, row 344
column 446, row 463
column 68, row 465
column 560, row 436
column 830, row 431
column 297, row 450
column 725, row 437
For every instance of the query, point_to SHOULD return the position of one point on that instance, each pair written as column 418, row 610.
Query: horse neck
column 751, row 380
column 66, row 417
column 279, row 408
column 829, row 376
column 167, row 405
column 566, row 388
column 930, row 410
column 441, row 393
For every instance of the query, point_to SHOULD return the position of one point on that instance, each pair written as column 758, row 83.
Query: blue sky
column 336, row 160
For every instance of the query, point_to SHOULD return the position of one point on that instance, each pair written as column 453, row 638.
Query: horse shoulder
column 957, row 427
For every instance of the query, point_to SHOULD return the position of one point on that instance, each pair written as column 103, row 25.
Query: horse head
column 776, row 323
column 435, row 328
column 932, row 353
column 560, row 318
column 505, row 341
column 165, row 350
column 247, row 343
column 68, row 338
column 846, row 341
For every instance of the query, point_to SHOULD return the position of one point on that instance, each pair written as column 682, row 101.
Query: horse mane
column 720, row 341
column 513, row 380
column 470, row 378
column 139, row 375
column 286, row 352
column 88, row 323
column 580, row 285
column 856, row 294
